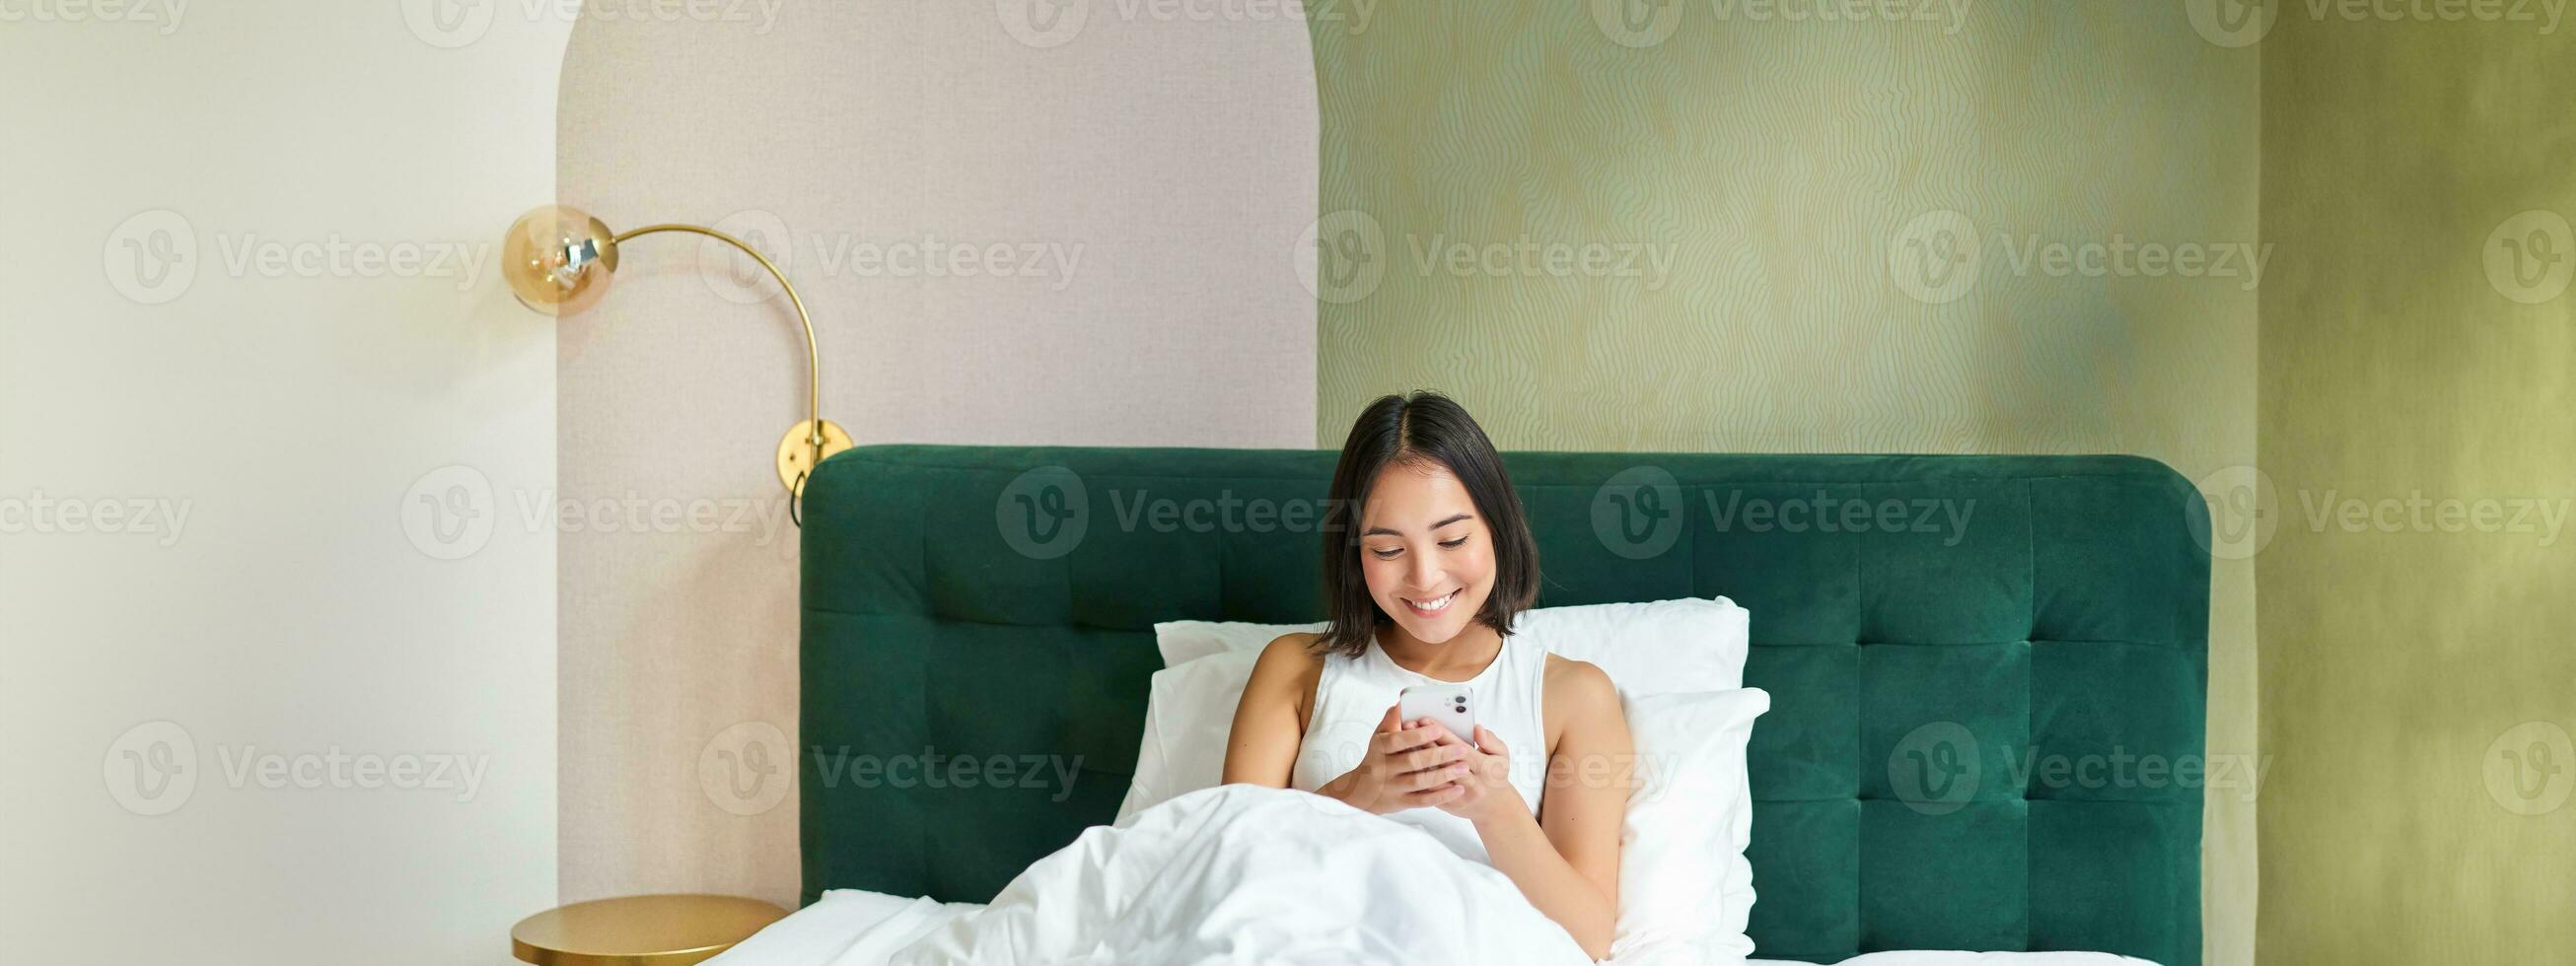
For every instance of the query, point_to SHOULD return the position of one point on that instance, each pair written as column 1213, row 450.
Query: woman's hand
column 1408, row 765
column 1485, row 791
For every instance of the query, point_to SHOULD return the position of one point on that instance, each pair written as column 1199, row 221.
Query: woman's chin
column 1430, row 630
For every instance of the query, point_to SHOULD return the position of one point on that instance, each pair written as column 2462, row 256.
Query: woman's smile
column 1431, row 606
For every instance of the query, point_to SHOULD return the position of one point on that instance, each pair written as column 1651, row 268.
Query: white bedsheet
column 1229, row 875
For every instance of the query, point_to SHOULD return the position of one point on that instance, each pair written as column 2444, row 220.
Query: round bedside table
column 669, row 930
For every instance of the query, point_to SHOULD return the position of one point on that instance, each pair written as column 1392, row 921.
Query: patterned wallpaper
column 1971, row 227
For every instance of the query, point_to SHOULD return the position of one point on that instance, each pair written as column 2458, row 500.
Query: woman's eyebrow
column 1374, row 531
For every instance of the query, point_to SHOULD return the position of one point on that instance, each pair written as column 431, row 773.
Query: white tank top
column 1351, row 699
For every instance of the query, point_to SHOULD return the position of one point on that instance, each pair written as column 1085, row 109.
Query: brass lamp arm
column 813, row 354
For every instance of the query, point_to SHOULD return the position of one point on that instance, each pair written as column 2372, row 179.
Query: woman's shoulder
column 1579, row 685
column 1289, row 658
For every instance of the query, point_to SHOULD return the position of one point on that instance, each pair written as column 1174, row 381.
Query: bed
column 992, row 601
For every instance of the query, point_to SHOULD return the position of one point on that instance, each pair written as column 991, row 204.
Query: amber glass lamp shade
column 558, row 259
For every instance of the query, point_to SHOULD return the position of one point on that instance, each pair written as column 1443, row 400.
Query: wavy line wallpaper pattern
column 1809, row 235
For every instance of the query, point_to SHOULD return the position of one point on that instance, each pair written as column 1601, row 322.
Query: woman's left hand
column 1487, row 783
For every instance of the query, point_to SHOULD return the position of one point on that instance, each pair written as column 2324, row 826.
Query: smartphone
column 1449, row 704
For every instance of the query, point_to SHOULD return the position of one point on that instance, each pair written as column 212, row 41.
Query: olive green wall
column 2409, row 819
column 1764, row 204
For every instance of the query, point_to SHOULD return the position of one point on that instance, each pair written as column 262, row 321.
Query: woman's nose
column 1426, row 573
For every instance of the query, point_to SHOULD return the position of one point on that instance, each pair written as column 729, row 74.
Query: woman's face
column 1428, row 557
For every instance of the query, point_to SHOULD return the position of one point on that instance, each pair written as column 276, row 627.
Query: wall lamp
column 558, row 260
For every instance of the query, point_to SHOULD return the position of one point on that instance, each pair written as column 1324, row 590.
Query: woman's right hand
column 1409, row 764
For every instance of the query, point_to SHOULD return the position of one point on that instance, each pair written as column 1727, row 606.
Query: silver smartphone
column 1452, row 705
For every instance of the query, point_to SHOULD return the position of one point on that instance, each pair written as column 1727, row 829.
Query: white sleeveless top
column 1351, row 699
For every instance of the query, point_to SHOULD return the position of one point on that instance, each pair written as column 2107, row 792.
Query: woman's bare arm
column 1270, row 720
column 1566, row 859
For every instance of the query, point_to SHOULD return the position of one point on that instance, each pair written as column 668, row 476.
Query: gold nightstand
column 672, row 930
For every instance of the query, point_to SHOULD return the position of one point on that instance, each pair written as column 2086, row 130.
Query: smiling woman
column 1425, row 565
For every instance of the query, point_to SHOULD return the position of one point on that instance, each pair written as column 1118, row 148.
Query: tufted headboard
column 1973, row 660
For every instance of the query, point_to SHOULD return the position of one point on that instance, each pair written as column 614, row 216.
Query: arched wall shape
column 1013, row 222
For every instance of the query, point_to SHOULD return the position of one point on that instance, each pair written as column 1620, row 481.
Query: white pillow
column 1685, row 888
column 1184, row 641
column 1189, row 714
column 1659, row 647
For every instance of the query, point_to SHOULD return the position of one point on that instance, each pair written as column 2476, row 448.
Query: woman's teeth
column 1432, row 606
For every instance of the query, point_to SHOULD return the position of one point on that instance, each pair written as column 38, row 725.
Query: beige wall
column 2419, row 679
column 1160, row 169
column 288, row 712
column 1791, row 176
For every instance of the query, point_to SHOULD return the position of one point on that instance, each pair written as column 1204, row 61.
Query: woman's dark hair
column 1425, row 428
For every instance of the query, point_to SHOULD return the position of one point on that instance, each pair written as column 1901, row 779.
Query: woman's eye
column 1453, row 544
column 1387, row 553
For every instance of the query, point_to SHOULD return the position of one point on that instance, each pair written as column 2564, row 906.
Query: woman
column 1427, row 558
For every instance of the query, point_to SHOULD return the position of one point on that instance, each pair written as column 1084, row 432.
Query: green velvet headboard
column 1970, row 661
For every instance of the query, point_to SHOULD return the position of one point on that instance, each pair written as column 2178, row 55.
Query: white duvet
column 1235, row 874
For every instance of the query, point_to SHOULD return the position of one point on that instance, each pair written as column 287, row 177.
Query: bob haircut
column 1424, row 428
